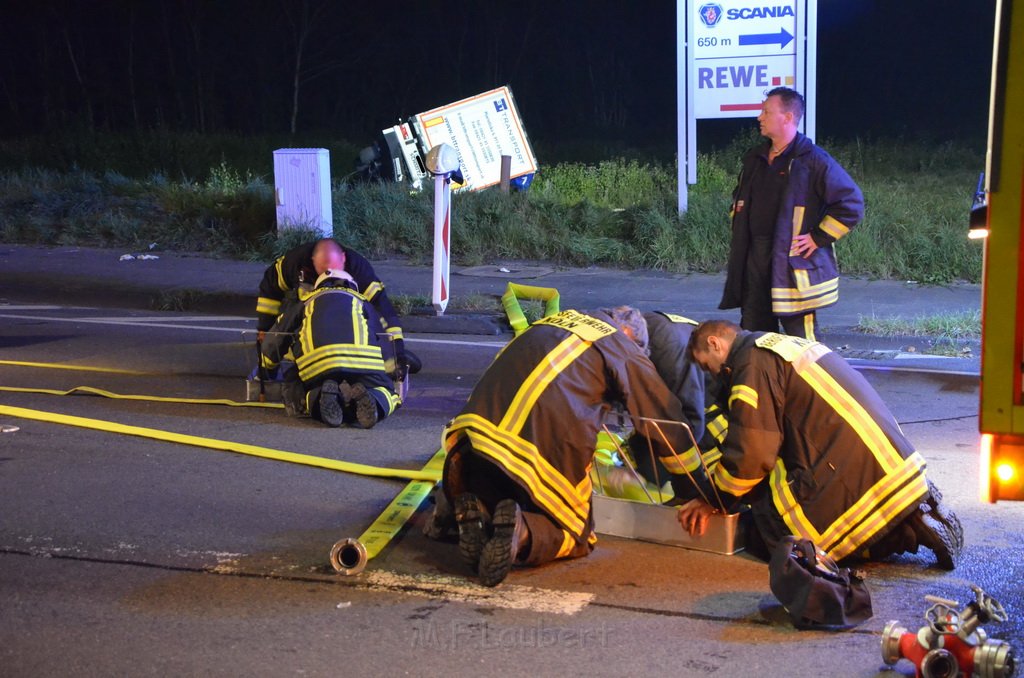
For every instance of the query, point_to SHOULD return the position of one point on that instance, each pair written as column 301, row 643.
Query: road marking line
column 148, row 323
column 458, row 589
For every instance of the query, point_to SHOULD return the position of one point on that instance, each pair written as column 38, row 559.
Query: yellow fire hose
column 123, row 396
column 510, row 302
column 349, row 556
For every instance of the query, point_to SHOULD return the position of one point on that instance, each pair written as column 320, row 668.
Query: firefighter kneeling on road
column 519, row 454
column 816, row 453
column 336, row 369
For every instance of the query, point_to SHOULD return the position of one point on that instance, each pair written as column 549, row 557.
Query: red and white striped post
column 443, row 162
column 442, row 240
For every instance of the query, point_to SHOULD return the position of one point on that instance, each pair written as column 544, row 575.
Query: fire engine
column 998, row 217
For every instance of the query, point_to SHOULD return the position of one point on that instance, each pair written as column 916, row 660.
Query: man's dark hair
column 699, row 336
column 792, row 101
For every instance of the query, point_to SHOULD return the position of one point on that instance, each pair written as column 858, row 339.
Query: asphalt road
column 123, row 555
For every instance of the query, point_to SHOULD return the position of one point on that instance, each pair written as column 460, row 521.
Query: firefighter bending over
column 519, row 454
column 336, row 369
column 816, row 453
column 291, row 277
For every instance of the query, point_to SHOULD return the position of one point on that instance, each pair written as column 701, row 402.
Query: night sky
column 580, row 70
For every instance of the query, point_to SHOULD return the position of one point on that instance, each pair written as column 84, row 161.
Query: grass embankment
column 618, row 212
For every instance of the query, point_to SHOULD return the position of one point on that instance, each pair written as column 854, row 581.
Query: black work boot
column 441, row 520
column 365, row 406
column 474, row 528
column 502, row 550
column 934, row 535
column 332, row 411
column 937, row 510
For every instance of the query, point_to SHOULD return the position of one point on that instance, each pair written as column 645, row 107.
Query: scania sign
column 710, row 14
column 761, row 12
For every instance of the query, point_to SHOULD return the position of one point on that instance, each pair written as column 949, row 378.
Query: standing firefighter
column 332, row 361
column 816, row 453
column 520, row 453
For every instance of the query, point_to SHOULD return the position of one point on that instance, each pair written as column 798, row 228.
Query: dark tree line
column 579, row 68
column 286, row 65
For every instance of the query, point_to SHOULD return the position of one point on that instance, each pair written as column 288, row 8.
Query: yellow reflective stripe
column 802, row 279
column 806, row 305
column 392, row 399
column 877, row 508
column 279, row 267
column 373, row 289
column 743, row 393
column 731, row 484
column 809, row 327
column 548, row 487
column 788, row 507
column 360, row 332
column 718, row 427
column 833, row 227
column 361, row 352
column 223, row 445
column 785, row 293
column 396, row 332
column 542, row 375
column 688, row 461
column 267, row 362
column 344, row 364
column 306, row 330
column 712, row 457
column 568, row 544
column 545, row 498
column 853, row 413
column 268, row 306
column 798, row 220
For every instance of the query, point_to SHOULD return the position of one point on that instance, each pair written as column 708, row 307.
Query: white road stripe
column 30, row 307
column 509, row 596
column 187, row 318
column 151, row 322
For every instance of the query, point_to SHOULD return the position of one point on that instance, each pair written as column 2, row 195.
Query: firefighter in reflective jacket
column 816, row 453
column 669, row 334
column 296, row 272
column 519, row 454
column 331, row 357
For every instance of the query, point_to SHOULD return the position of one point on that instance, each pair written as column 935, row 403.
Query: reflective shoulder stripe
column 583, row 326
column 539, row 378
column 745, row 394
column 373, row 289
column 795, row 350
column 279, row 267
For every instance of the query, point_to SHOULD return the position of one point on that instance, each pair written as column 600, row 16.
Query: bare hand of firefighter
column 803, row 246
column 694, row 515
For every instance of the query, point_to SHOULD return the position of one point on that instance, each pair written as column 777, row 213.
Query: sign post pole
column 442, row 240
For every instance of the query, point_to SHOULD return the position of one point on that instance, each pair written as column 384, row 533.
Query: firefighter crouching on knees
column 669, row 335
column 519, row 453
column 336, row 369
column 815, row 452
column 290, row 280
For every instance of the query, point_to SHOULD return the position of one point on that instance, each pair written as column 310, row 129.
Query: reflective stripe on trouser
column 550, row 542
column 802, row 325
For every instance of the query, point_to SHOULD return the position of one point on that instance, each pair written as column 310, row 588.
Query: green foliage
column 116, row 190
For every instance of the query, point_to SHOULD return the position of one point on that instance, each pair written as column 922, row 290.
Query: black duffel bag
column 817, row 593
